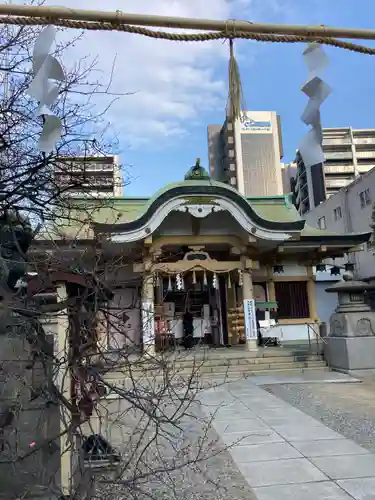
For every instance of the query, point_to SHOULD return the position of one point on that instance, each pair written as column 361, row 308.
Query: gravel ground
column 345, row 408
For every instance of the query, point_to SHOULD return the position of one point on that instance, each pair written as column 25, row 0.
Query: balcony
column 90, row 182
column 365, row 154
column 363, row 169
column 339, row 169
column 337, row 183
column 85, row 167
column 364, row 141
column 336, row 142
column 340, row 155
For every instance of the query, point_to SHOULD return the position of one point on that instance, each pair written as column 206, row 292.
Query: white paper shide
column 317, row 91
column 45, row 87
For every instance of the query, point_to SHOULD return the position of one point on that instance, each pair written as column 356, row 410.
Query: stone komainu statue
column 16, row 235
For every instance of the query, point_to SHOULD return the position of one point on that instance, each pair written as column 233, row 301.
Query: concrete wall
column 293, row 332
column 326, row 303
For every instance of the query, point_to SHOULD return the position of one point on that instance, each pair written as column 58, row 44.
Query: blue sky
column 180, row 88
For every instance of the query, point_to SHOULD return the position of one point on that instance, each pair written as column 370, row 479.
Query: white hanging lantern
column 179, row 282
column 229, row 282
column 205, row 279
column 157, row 281
column 169, row 283
column 240, row 277
column 194, row 278
column 215, row 282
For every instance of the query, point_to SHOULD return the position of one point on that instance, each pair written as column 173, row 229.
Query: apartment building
column 246, row 153
column 350, row 210
column 348, row 153
column 95, row 176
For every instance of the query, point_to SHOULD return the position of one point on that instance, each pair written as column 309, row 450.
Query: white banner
column 148, row 322
column 250, row 319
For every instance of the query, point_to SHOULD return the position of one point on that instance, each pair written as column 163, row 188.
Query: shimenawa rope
column 184, row 37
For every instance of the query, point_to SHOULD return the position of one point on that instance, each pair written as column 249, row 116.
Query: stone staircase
column 236, row 362
column 226, row 364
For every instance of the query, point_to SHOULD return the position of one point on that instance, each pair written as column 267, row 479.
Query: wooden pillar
column 230, row 307
column 249, row 308
column 102, row 330
column 64, row 385
column 147, row 311
column 312, row 295
column 270, row 285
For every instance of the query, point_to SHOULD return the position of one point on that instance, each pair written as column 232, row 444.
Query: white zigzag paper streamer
column 48, row 75
column 317, row 91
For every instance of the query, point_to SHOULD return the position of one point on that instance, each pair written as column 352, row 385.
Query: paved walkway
column 285, row 454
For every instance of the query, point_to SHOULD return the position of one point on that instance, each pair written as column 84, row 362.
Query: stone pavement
column 283, row 453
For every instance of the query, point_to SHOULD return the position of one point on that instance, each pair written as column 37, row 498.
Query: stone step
column 245, row 360
column 182, row 361
column 209, row 379
column 262, row 373
column 242, row 357
column 219, row 369
column 249, row 368
column 225, row 365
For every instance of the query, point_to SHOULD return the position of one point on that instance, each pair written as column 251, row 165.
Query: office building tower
column 246, row 153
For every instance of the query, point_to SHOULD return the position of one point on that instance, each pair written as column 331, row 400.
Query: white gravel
column 346, row 408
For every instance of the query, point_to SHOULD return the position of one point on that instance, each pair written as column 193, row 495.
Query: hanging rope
column 235, row 94
column 183, row 37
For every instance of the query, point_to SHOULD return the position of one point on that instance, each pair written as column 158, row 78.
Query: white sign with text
column 250, row 319
column 148, row 322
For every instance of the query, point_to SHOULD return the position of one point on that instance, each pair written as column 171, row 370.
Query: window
column 337, row 213
column 292, row 299
column 322, row 223
column 364, row 198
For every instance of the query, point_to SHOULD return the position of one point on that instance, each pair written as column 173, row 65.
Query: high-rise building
column 246, row 153
column 288, row 172
column 95, row 176
column 348, row 153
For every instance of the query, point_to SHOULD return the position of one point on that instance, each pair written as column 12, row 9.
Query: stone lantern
column 350, row 346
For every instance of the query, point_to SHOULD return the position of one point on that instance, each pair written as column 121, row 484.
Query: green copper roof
column 121, row 210
column 78, row 222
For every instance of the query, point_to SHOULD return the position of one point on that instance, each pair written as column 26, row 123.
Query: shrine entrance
column 195, row 284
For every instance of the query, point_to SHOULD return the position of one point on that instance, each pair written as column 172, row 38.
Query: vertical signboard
column 250, row 319
column 148, row 322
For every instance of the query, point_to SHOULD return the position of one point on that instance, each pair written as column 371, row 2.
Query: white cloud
column 174, row 84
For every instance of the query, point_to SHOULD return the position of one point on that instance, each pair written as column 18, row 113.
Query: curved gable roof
column 199, row 188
